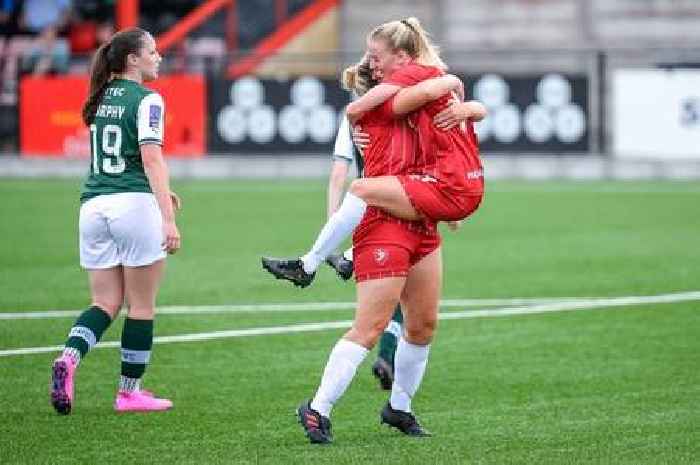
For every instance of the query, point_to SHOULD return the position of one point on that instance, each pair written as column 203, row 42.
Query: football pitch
column 570, row 333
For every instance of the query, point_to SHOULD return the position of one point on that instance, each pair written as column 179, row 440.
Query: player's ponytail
column 349, row 78
column 100, row 74
column 427, row 52
column 408, row 35
column 110, row 58
column 358, row 77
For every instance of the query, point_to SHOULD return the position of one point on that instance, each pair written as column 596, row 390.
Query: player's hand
column 175, row 199
column 452, row 115
column 171, row 235
column 454, row 225
column 359, row 138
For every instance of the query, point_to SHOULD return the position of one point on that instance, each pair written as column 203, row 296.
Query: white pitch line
column 296, row 307
column 590, row 304
column 310, row 327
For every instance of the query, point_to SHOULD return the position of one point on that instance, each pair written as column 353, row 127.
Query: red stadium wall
column 51, row 126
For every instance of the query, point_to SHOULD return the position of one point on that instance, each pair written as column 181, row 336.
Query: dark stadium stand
column 90, row 22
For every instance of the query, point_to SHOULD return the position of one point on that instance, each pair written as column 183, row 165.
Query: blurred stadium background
column 576, row 88
column 592, row 155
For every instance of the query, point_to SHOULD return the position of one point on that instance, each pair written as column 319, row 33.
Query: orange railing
column 191, row 21
column 287, row 28
column 279, row 38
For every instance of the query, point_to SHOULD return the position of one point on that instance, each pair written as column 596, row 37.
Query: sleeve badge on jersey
column 154, row 114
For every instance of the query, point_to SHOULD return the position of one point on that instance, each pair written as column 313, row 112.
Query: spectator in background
column 46, row 19
column 8, row 16
column 5, row 12
column 92, row 25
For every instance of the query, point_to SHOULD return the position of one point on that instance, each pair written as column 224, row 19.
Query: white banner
column 656, row 114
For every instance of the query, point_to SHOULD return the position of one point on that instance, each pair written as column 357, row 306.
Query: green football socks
column 86, row 332
column 137, row 341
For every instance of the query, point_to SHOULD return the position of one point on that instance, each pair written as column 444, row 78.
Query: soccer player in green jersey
column 127, row 217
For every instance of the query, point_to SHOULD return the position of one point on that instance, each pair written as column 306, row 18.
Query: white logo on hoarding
column 249, row 117
column 307, row 93
column 538, row 123
column 232, row 124
column 506, row 123
column 247, row 93
column 292, row 124
column 570, row 123
column 492, row 90
column 553, row 91
column 553, row 114
column 321, row 123
column 262, row 123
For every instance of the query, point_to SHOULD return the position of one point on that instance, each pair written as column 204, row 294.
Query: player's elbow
column 336, row 180
column 151, row 155
column 153, row 163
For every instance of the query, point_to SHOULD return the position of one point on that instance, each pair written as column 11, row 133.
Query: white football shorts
column 120, row 229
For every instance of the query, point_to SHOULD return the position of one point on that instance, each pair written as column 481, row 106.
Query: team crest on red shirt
column 381, row 256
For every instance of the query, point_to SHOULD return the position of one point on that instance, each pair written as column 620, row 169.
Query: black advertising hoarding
column 534, row 113
column 527, row 113
column 253, row 115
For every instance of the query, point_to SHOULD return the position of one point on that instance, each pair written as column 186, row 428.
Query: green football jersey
column 128, row 115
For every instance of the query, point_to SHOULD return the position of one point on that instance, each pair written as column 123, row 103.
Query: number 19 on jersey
column 106, row 147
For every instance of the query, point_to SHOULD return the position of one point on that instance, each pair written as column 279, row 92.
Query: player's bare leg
column 420, row 302
column 107, row 291
column 376, row 300
column 141, row 287
column 387, row 193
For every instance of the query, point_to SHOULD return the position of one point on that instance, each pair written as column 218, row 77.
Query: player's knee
column 142, row 313
column 109, row 306
column 421, row 332
column 366, row 337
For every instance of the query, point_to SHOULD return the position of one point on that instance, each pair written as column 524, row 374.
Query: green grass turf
column 603, row 386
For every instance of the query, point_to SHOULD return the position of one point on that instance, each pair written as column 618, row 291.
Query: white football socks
column 74, row 353
column 338, row 227
column 348, row 254
column 409, row 368
column 342, row 364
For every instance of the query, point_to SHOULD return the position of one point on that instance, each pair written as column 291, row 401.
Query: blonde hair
column 408, row 35
column 358, row 77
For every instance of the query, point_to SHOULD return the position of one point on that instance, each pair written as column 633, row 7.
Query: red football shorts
column 436, row 200
column 385, row 248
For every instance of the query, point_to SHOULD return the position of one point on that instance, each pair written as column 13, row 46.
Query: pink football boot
column 140, row 401
column 62, row 374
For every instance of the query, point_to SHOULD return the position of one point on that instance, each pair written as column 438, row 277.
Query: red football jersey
column 451, row 156
column 392, row 148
